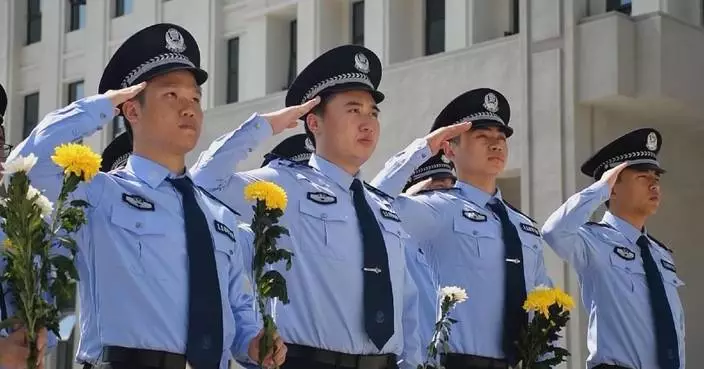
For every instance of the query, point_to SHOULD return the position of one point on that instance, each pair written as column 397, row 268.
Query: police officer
column 353, row 304
column 436, row 173
column 471, row 236
column 160, row 266
column 628, row 278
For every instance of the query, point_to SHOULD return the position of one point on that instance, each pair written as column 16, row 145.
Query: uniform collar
column 627, row 229
column 332, row 171
column 476, row 195
column 150, row 172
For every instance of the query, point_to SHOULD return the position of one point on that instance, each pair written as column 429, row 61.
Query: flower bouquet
column 551, row 312
column 269, row 207
column 35, row 265
column 450, row 297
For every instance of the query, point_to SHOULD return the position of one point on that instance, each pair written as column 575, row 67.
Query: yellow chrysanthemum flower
column 542, row 297
column 273, row 196
column 7, row 244
column 77, row 159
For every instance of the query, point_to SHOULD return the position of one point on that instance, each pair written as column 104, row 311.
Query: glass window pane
column 293, row 55
column 31, row 113
column 233, row 61
column 358, row 23
column 434, row 26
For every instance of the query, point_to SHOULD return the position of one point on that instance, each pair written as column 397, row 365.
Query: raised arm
column 563, row 230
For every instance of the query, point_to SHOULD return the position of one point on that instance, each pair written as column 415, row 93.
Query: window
column 31, row 113
column 76, row 14
column 233, row 65
column 358, row 23
column 293, row 46
column 118, row 125
column 434, row 26
column 75, row 92
column 34, row 21
column 122, row 7
column 623, row 6
column 515, row 20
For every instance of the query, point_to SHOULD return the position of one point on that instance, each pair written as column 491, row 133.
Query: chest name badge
column 225, row 230
column 530, row 229
column 388, row 214
column 138, row 202
column 321, row 198
column 624, row 253
column 474, row 215
column 668, row 265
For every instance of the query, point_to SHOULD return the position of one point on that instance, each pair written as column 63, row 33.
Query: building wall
column 575, row 75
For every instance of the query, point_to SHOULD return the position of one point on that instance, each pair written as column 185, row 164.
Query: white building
column 576, row 73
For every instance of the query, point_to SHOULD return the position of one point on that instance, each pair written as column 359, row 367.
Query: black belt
column 460, row 361
column 609, row 366
column 143, row 357
column 340, row 359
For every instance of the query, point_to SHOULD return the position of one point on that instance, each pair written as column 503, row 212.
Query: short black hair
column 318, row 110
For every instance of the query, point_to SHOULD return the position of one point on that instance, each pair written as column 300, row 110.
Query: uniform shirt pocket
column 630, row 273
column 325, row 228
column 475, row 241
column 394, row 238
column 145, row 248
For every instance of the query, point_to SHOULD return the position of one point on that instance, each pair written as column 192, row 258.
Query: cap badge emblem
column 491, row 103
column 361, row 63
column 174, row 41
column 652, row 142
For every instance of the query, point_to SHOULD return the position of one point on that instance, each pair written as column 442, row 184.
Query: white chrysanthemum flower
column 45, row 206
column 20, row 164
column 455, row 293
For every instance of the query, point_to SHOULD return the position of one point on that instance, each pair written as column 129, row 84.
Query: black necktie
column 665, row 333
column 204, row 346
column 515, row 318
column 378, row 296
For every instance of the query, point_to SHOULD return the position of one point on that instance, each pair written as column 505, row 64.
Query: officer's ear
column 450, row 147
column 313, row 122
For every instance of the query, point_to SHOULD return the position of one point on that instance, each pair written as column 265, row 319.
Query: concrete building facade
column 577, row 74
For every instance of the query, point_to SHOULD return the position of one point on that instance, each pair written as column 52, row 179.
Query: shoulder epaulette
column 605, row 225
column 661, row 244
column 206, row 193
column 518, row 211
column 378, row 192
column 451, row 189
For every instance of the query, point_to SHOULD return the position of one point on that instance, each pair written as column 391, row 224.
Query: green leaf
column 275, row 285
column 80, row 203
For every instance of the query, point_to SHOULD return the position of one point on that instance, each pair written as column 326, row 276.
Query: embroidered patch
column 530, row 229
column 624, row 253
column 321, row 198
column 225, row 230
column 388, row 214
column 138, row 202
column 474, row 216
column 668, row 265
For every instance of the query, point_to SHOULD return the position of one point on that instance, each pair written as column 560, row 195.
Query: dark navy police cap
column 153, row 51
column 483, row 107
column 344, row 68
column 116, row 153
column 3, row 103
column 639, row 148
column 437, row 167
column 297, row 148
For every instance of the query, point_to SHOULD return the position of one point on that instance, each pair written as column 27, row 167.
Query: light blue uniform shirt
column 132, row 259
column 428, row 288
column 612, row 278
column 326, row 241
column 463, row 243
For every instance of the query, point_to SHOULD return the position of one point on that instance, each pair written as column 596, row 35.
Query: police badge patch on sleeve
column 474, row 215
column 530, row 229
column 624, row 253
column 321, row 198
column 668, row 265
column 388, row 214
column 138, row 202
column 225, row 230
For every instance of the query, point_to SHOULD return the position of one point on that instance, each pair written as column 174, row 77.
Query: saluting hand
column 117, row 97
column 275, row 358
column 438, row 138
column 288, row 117
column 611, row 175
